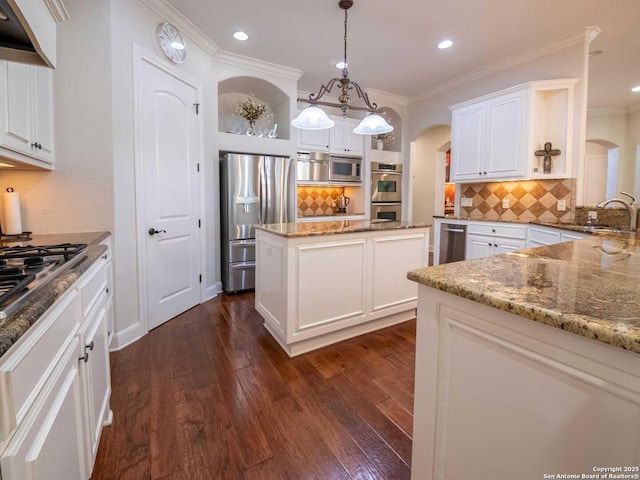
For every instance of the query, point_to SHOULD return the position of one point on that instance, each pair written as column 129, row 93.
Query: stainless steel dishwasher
column 453, row 239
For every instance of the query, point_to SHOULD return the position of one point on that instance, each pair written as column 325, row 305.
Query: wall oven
column 386, row 182
column 345, row 169
column 387, row 211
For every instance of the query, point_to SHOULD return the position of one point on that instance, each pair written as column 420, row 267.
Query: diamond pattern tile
column 530, row 200
column 317, row 201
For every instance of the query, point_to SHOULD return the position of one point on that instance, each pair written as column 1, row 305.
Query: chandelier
column 314, row 118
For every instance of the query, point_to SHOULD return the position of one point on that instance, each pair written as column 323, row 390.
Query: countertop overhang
column 308, row 229
column 590, row 287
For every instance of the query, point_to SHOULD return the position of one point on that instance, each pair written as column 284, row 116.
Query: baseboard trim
column 213, row 291
column 126, row 337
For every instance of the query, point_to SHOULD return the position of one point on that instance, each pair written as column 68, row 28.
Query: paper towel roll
column 12, row 221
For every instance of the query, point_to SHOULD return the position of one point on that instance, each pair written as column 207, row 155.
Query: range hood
column 28, row 30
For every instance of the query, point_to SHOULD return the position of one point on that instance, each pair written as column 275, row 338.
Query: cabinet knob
column 485, row 173
column 479, row 173
column 90, row 346
column 104, row 257
column 84, row 358
column 489, row 244
column 107, row 290
column 493, row 230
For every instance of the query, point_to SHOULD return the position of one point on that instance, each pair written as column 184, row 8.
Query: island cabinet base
column 499, row 396
column 317, row 290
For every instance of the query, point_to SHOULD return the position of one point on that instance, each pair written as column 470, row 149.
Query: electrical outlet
column 562, row 205
column 505, row 203
column 466, row 202
column 592, row 215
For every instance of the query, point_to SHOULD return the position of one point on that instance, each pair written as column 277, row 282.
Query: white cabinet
column 342, row 139
column 26, row 114
column 540, row 235
column 315, row 140
column 49, row 442
column 495, row 137
column 485, row 239
column 55, row 385
column 488, row 139
column 339, row 140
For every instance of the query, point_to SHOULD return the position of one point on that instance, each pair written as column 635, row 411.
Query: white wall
column 427, row 175
column 78, row 195
column 132, row 22
column 632, row 164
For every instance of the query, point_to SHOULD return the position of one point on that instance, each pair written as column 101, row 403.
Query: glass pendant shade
column 373, row 124
column 312, row 118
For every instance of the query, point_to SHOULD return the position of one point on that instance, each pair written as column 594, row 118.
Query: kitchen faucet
column 632, row 208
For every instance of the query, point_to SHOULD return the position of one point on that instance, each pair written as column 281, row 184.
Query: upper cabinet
column 496, row 137
column 33, row 25
column 342, row 139
column 339, row 139
column 26, row 115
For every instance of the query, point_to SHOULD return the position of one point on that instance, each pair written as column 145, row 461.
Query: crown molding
column 591, row 33
column 58, row 10
column 182, row 23
column 500, row 66
column 257, row 65
column 388, row 97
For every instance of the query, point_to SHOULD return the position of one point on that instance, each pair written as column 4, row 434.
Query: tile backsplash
column 528, row 200
column 317, row 201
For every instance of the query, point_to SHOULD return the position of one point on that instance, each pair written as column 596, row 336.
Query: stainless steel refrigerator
column 254, row 189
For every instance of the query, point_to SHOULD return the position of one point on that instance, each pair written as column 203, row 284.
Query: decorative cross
column 547, row 153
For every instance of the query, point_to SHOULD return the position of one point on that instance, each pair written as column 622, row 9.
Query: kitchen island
column 319, row 283
column 528, row 363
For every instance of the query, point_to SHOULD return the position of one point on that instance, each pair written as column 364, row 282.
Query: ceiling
column 392, row 43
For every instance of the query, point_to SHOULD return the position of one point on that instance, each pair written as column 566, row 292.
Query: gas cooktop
column 26, row 269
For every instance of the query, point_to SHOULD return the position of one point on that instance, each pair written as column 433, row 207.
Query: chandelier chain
column 346, row 12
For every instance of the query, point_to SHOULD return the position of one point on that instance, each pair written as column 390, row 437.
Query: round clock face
column 171, row 42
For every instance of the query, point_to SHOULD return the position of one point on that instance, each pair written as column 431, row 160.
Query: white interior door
column 169, row 141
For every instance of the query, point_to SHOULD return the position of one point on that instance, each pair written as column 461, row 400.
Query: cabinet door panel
column 356, row 142
column 43, row 134
column 505, row 136
column 478, row 246
column 505, row 246
column 17, row 90
column 49, row 442
column 339, row 136
column 467, row 150
column 317, row 140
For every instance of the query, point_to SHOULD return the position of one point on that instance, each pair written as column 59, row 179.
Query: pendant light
column 314, row 118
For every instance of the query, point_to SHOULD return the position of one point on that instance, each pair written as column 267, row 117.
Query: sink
column 599, row 228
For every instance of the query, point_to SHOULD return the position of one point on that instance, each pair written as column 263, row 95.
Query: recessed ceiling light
column 342, row 65
column 445, row 44
column 241, row 36
column 636, row 89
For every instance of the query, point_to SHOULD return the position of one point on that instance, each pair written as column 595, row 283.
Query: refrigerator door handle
column 264, row 192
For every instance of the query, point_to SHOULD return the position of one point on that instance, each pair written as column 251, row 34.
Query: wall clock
column 171, row 42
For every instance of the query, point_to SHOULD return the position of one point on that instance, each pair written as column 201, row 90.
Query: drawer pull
column 84, row 358
column 90, row 346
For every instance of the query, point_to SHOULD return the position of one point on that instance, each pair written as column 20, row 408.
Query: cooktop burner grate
column 64, row 249
column 11, row 285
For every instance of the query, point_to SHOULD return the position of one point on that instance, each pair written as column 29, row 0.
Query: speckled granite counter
column 590, row 287
column 17, row 323
column 309, row 229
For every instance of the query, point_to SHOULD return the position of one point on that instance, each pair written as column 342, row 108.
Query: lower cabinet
column 49, row 442
column 540, row 236
column 55, row 386
column 486, row 239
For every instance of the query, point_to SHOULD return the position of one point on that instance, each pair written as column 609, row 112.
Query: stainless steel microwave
column 345, row 169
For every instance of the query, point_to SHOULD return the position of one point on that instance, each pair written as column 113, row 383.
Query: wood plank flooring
column 210, row 395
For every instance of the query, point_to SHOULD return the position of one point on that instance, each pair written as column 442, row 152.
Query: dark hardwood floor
column 210, row 395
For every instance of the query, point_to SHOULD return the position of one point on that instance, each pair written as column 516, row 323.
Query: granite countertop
column 309, row 229
column 466, row 219
column 334, row 214
column 589, row 287
column 18, row 322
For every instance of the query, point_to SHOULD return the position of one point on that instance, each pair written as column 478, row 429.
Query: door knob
column 153, row 231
